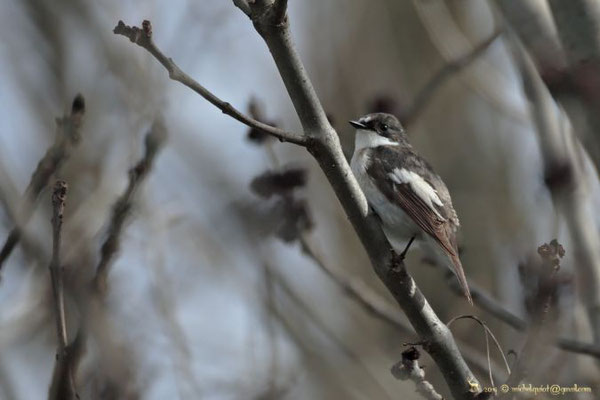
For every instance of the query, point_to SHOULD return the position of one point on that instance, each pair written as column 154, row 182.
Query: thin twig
column 356, row 289
column 487, row 303
column 348, row 351
column 59, row 197
column 488, row 332
column 67, row 137
column 153, row 143
column 62, row 384
column 309, row 353
column 426, row 93
column 164, row 298
column 143, row 38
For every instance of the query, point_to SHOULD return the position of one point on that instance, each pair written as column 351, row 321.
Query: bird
column 401, row 187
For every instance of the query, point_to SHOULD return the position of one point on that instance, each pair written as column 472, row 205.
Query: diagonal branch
column 447, row 71
column 67, row 137
column 487, row 303
column 143, row 38
column 154, row 142
column 243, row 5
column 325, row 146
column 95, row 322
column 322, row 141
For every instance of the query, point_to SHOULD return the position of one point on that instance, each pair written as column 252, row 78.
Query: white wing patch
column 421, row 188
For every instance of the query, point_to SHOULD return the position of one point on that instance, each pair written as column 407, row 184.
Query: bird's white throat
column 368, row 139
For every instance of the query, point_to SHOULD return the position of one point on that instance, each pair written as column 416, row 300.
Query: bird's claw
column 405, row 251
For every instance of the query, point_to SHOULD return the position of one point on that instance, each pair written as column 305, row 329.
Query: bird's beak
column 358, row 125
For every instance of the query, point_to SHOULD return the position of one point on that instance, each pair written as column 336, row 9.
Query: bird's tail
column 460, row 274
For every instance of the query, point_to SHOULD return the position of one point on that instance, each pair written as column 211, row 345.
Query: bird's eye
column 384, row 127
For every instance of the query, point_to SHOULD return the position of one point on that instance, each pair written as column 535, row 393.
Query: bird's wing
column 408, row 184
column 411, row 192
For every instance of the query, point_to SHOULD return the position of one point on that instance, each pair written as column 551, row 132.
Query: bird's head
column 379, row 129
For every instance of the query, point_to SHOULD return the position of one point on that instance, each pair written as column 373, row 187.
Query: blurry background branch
column 96, row 322
column 550, row 255
column 153, row 143
column 67, row 137
column 489, row 304
column 428, row 91
column 578, row 26
column 568, row 180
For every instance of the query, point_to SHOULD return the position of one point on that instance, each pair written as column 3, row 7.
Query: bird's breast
column 395, row 221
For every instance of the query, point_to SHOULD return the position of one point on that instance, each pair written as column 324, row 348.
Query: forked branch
column 323, row 143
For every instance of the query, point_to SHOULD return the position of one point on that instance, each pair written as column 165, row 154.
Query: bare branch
column 323, row 143
column 487, row 303
column 408, row 369
column 62, row 383
column 279, row 11
column 567, row 181
column 578, row 24
column 153, row 143
column 488, row 333
column 59, row 197
column 242, row 5
column 67, row 137
column 427, row 92
column 347, row 350
column 536, row 29
column 143, row 38
column 356, row 289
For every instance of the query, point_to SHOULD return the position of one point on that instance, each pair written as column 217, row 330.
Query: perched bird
column 411, row 200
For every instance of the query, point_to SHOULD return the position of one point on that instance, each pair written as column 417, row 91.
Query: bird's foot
column 405, row 251
column 398, row 259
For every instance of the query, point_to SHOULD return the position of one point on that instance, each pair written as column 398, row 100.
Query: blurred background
column 238, row 275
